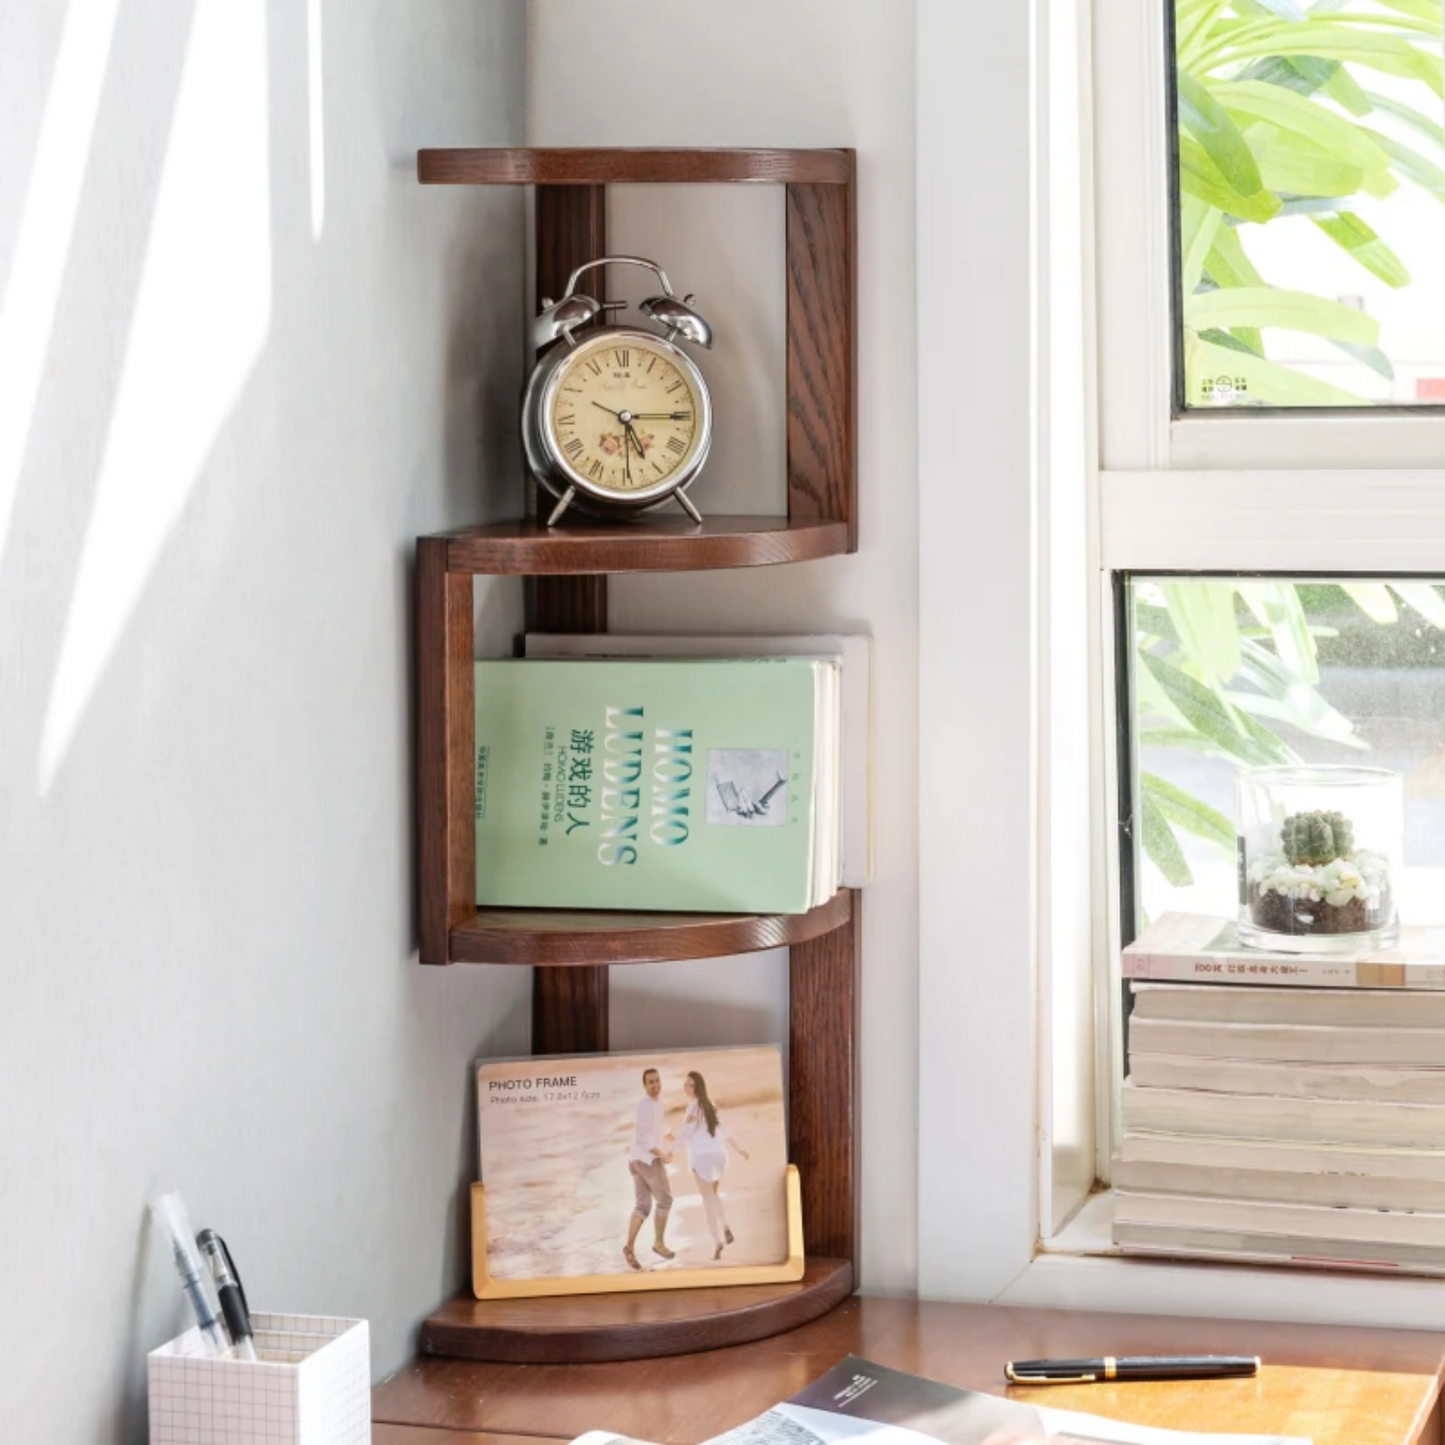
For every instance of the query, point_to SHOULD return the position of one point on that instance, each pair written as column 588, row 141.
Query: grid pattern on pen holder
column 311, row 1386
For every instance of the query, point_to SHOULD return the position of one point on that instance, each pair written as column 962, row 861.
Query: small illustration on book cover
column 747, row 787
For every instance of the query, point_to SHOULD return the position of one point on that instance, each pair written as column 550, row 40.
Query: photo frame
column 617, row 1173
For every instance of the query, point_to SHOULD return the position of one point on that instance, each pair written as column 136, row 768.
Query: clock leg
column 685, row 502
column 556, row 515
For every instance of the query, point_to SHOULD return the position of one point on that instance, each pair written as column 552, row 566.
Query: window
column 1231, row 672
column 1058, row 535
column 1309, row 204
column 1269, row 538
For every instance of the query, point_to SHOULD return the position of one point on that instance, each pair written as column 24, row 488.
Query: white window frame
column 1012, row 993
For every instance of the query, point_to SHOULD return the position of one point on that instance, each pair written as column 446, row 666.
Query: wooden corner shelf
column 566, row 571
column 593, row 1329
column 653, row 543
column 562, row 938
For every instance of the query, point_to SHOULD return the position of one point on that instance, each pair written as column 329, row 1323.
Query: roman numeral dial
column 624, row 416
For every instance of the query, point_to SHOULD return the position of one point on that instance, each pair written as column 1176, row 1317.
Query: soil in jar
column 1301, row 916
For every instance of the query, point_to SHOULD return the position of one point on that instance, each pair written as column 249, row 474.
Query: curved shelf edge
column 561, row 938
column 649, row 544
column 591, row 166
column 594, row 1329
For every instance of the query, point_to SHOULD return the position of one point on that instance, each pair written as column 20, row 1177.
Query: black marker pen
column 232, row 1296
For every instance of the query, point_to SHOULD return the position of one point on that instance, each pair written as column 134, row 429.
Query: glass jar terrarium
column 1320, row 856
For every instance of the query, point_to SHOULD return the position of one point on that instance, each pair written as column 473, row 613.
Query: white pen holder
column 311, row 1386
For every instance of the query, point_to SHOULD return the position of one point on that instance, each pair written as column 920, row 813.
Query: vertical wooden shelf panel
column 570, row 1010
column 569, row 1014
column 822, row 369
column 822, row 1078
column 447, row 851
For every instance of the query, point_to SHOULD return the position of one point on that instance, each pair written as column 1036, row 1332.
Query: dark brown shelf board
column 592, row 1329
column 648, row 544
column 567, row 166
column 568, row 939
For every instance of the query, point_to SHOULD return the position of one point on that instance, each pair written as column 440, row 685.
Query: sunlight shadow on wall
column 47, row 226
column 202, row 316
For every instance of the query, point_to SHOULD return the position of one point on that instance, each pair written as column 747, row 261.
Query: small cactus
column 1316, row 838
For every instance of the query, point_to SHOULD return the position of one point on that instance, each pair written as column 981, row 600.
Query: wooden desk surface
column 1338, row 1386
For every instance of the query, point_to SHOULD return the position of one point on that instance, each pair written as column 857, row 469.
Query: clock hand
column 645, row 415
column 636, row 440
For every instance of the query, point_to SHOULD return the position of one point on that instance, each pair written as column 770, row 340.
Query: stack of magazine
column 681, row 774
column 857, row 1399
column 1268, row 1117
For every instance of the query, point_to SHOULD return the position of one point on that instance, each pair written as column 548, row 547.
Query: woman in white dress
column 708, row 1142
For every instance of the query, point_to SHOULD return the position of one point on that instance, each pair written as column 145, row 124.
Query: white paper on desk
column 860, row 1403
column 1066, row 1426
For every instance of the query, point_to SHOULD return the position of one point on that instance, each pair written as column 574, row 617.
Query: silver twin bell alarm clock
column 620, row 420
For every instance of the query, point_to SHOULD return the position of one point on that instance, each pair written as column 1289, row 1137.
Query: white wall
column 981, row 640
column 800, row 73
column 227, row 406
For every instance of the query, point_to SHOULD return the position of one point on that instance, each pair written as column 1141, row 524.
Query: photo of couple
column 624, row 1164
column 707, row 1142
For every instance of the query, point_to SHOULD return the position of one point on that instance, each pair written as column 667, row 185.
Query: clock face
column 626, row 414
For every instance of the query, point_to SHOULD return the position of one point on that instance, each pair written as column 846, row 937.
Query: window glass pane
column 1234, row 672
column 1310, row 203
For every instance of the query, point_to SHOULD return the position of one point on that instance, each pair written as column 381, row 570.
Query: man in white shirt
column 647, row 1161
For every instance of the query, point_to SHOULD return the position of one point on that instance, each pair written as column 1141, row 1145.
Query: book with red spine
column 1200, row 948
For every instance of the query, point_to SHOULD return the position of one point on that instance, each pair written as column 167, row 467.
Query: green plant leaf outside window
column 1286, row 109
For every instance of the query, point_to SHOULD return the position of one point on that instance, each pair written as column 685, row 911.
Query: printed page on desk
column 860, row 1401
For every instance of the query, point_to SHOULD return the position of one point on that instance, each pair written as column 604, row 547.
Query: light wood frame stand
column 790, row 1271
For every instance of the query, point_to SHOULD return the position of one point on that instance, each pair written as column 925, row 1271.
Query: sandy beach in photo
column 556, row 1138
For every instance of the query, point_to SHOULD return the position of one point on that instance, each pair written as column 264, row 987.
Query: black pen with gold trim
column 1131, row 1367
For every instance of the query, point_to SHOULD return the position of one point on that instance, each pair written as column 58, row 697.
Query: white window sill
column 1079, row 1268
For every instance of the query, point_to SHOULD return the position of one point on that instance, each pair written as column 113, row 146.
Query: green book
column 702, row 786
